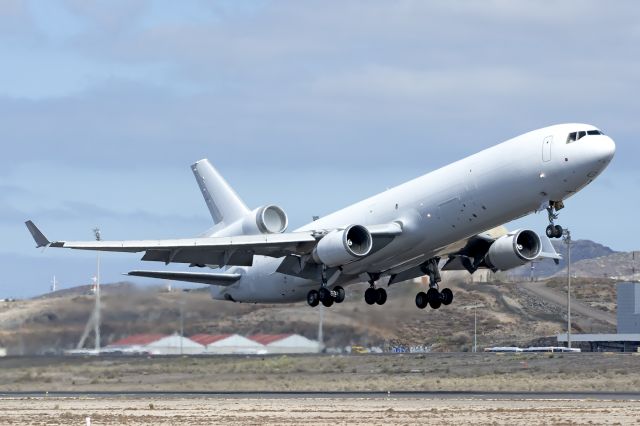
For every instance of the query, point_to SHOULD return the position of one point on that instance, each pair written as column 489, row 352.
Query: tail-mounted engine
column 340, row 247
column 265, row 220
column 513, row 250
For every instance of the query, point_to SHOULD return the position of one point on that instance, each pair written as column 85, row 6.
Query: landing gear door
column 546, row 148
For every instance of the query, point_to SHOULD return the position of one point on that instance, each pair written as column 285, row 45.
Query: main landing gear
column 325, row 296
column 433, row 297
column 553, row 230
column 375, row 295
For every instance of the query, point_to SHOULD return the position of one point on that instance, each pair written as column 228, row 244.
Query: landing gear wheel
column 433, row 295
column 447, row 296
column 559, row 231
column 370, row 296
column 313, row 298
column 421, row 300
column 339, row 294
column 324, row 294
column 381, row 294
column 327, row 302
column 551, row 231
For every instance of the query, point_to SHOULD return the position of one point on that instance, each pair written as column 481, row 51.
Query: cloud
column 103, row 105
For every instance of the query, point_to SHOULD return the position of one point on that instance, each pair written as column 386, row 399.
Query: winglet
column 38, row 236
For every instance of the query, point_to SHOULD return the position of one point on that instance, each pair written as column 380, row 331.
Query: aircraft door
column 546, row 148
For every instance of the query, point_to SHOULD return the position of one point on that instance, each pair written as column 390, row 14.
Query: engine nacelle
column 343, row 246
column 513, row 250
column 265, row 220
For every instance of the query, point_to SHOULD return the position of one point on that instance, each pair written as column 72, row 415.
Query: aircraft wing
column 237, row 250
column 213, row 251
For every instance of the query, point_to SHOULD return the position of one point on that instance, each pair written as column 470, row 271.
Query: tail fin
column 222, row 201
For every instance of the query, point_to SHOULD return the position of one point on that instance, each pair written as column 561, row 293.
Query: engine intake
column 340, row 247
column 513, row 250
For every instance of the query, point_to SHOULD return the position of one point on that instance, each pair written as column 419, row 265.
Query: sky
column 309, row 105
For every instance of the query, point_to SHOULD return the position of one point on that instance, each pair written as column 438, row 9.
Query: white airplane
column 444, row 220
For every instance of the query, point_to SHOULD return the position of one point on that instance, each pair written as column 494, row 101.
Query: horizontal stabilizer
column 193, row 277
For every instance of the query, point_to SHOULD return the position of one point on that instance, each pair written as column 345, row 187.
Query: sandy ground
column 402, row 411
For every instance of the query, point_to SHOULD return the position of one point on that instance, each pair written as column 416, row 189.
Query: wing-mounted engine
column 513, row 250
column 343, row 246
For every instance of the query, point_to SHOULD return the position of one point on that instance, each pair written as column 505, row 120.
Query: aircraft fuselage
column 444, row 207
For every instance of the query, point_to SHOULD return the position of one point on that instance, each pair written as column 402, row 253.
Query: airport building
column 627, row 339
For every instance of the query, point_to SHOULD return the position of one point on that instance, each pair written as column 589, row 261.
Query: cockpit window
column 574, row 136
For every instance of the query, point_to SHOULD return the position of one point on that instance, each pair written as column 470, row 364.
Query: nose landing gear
column 553, row 230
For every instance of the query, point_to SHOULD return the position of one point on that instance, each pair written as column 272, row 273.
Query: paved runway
column 493, row 395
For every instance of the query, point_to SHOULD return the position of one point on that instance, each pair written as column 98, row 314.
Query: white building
column 221, row 344
column 286, row 343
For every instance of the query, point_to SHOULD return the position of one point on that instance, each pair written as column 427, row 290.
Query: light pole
column 567, row 241
column 475, row 328
column 97, row 318
column 475, row 323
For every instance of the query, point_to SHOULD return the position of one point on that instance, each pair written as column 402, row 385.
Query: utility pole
column 567, row 240
column 54, row 284
column 94, row 319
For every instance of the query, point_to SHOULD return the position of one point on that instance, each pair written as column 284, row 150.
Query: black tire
column 446, row 296
column 313, row 298
column 382, row 296
column 328, row 302
column 421, row 300
column 435, row 300
column 339, row 294
column 551, row 231
column 324, row 294
column 558, row 230
column 370, row 296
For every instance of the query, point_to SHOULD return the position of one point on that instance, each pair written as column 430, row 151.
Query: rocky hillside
column 580, row 250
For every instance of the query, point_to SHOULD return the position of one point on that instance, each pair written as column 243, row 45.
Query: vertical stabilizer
column 222, row 201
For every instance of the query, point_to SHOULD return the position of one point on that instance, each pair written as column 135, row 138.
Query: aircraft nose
column 606, row 148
